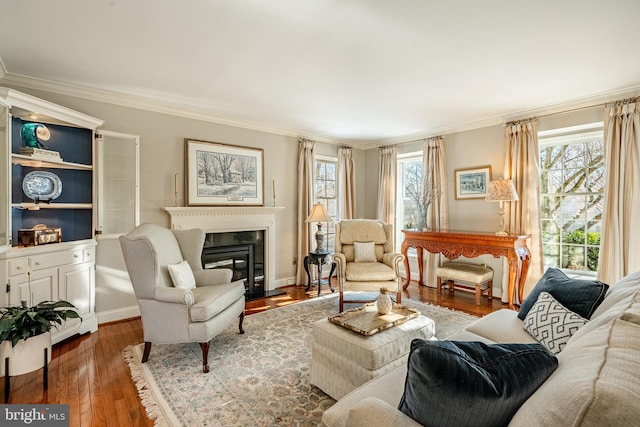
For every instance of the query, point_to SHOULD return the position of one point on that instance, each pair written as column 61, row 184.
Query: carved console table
column 471, row 244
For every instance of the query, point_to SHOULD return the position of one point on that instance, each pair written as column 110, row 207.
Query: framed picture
column 223, row 175
column 472, row 183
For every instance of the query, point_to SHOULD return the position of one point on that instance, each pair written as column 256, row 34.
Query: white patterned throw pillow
column 551, row 323
column 365, row 251
column 182, row 276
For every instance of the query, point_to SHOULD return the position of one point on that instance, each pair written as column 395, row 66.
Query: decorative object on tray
column 223, row 175
column 367, row 321
column 40, row 234
column 32, row 135
column 42, row 186
column 383, row 302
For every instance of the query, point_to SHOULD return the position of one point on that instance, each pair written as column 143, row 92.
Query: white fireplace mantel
column 233, row 218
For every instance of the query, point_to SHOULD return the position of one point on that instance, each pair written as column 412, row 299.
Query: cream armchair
column 173, row 314
column 365, row 258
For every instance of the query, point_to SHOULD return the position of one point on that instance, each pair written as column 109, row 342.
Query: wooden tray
column 366, row 321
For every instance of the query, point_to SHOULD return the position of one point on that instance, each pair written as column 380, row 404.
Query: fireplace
column 216, row 220
column 240, row 251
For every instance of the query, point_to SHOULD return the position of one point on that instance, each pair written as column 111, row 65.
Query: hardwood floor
column 88, row 372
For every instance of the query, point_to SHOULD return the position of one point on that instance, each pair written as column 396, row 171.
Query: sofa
column 596, row 381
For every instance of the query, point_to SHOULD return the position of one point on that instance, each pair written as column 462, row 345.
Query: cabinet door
column 5, row 196
column 118, row 183
column 76, row 285
column 118, row 213
column 34, row 287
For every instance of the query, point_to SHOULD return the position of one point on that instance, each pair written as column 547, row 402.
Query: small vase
column 383, row 303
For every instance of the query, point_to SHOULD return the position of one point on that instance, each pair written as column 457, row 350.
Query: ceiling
column 349, row 71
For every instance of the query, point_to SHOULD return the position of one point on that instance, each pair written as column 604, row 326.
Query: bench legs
column 478, row 289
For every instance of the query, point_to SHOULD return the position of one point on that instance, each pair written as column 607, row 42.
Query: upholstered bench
column 342, row 360
column 465, row 276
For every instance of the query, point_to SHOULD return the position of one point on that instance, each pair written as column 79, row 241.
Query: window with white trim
column 326, row 193
column 409, row 213
column 572, row 196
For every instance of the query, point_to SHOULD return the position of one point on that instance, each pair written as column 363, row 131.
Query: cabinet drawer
column 38, row 262
column 18, row 266
column 89, row 255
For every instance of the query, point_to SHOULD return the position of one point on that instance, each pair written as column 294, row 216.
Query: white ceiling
column 359, row 71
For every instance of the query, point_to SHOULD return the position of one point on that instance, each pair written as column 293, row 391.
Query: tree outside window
column 572, row 197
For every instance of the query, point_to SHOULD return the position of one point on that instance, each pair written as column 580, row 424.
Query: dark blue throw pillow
column 580, row 296
column 458, row 383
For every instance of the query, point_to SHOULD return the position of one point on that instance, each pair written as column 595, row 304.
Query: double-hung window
column 572, row 196
column 326, row 193
column 410, row 183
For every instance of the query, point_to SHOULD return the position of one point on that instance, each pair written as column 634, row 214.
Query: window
column 409, row 211
column 572, row 196
column 326, row 194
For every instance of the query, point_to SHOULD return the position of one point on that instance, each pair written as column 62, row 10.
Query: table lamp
column 319, row 214
column 501, row 191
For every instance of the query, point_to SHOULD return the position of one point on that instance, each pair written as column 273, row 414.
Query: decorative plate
column 42, row 185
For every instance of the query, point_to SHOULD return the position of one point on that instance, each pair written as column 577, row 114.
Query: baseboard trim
column 118, row 314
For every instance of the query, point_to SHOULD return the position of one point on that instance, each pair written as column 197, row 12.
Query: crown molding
column 158, row 105
column 565, row 107
column 173, row 107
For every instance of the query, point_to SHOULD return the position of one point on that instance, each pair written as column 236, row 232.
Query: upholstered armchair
column 179, row 300
column 365, row 258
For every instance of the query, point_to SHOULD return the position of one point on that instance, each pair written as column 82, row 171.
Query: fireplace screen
column 240, row 251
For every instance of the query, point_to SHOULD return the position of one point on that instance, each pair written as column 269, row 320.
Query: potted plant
column 26, row 331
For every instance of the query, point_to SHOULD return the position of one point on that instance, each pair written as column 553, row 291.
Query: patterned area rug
column 256, row 379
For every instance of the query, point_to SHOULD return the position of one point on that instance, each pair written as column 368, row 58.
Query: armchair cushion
column 211, row 300
column 369, row 271
column 181, row 275
column 364, row 252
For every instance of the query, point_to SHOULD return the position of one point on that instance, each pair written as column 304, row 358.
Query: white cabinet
column 62, row 271
column 47, row 158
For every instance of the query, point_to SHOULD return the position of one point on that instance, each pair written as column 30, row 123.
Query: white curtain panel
column 347, row 184
column 620, row 240
column 387, row 166
column 306, row 174
column 435, row 176
column 522, row 161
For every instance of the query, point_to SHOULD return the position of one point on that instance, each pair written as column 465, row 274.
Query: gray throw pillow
column 580, row 296
column 456, row 383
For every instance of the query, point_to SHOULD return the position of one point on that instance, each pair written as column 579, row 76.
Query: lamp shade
column 502, row 190
column 319, row 214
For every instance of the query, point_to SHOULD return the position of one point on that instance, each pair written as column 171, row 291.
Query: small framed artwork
column 472, row 183
column 223, row 175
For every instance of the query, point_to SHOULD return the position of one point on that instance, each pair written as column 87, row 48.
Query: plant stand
column 27, row 356
column 7, row 377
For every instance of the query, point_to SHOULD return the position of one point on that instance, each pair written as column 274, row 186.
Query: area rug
column 256, row 379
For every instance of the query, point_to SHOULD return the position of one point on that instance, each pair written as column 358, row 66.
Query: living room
column 470, row 141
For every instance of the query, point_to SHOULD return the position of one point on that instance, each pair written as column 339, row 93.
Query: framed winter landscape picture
column 223, row 175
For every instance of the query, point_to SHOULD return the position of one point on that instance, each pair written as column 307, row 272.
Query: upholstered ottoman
column 343, row 360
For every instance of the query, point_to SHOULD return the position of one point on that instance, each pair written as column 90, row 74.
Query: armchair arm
column 175, row 295
column 210, row 277
column 341, row 260
column 393, row 260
